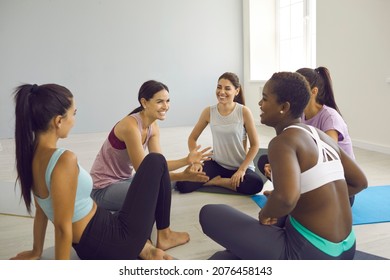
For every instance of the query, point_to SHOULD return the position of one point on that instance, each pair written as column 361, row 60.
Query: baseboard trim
column 371, row 146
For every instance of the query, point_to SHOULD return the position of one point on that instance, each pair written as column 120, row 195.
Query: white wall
column 353, row 42
column 103, row 51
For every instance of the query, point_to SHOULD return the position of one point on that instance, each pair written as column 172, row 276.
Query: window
column 281, row 36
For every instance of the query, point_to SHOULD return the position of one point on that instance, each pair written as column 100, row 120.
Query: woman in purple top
column 322, row 111
column 125, row 149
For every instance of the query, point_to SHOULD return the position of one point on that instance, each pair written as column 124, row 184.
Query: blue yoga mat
column 371, row 205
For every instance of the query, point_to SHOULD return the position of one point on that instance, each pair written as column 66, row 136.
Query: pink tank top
column 112, row 164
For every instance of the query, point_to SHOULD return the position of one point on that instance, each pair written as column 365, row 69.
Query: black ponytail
column 35, row 107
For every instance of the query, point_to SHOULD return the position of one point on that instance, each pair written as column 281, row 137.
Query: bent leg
column 241, row 234
column 252, row 183
column 112, row 196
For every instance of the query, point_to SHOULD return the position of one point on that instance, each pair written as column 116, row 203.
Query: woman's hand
column 196, row 156
column 267, row 220
column 27, row 255
column 194, row 176
column 237, row 178
column 196, row 167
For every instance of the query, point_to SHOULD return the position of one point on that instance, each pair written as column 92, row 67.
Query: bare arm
column 250, row 128
column 286, row 180
column 354, row 175
column 333, row 134
column 202, row 123
column 63, row 192
column 39, row 233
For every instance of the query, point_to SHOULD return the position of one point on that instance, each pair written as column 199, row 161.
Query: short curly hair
column 291, row 87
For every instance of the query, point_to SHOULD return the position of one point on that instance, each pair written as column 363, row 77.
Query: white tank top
column 228, row 134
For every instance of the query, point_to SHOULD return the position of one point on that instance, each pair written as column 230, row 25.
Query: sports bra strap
column 325, row 151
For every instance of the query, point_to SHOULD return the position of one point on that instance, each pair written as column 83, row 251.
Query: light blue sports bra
column 328, row 167
column 83, row 201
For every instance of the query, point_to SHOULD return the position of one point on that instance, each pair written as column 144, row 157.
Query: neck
column 225, row 109
column 283, row 124
column 311, row 110
column 46, row 140
column 146, row 120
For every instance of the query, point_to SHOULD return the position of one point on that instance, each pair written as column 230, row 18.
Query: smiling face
column 269, row 107
column 226, row 91
column 157, row 106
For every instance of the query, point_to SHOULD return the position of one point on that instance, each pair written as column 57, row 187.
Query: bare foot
column 149, row 252
column 221, row 182
column 167, row 239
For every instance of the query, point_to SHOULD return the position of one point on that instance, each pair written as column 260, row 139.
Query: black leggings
column 251, row 184
column 123, row 235
column 245, row 238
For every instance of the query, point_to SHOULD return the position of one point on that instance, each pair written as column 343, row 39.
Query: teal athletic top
column 83, row 201
column 326, row 246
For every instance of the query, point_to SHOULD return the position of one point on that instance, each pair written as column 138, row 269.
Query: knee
column 155, row 158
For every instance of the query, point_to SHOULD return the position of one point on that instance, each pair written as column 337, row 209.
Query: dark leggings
column 123, row 235
column 245, row 238
column 251, row 184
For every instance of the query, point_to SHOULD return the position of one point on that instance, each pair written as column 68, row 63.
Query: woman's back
column 327, row 202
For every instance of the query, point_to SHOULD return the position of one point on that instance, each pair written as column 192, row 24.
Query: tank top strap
column 52, row 163
column 138, row 118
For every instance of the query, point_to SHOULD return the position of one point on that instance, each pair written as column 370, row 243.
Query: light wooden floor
column 16, row 231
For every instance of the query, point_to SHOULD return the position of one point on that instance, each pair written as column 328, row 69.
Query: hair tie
column 34, row 88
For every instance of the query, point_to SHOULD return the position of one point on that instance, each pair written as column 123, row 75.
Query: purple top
column 329, row 119
column 112, row 164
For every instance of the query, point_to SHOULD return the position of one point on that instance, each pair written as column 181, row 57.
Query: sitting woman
column 232, row 125
column 52, row 177
column 321, row 112
column 307, row 215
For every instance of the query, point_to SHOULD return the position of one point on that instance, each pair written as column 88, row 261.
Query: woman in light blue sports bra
column 307, row 215
column 61, row 188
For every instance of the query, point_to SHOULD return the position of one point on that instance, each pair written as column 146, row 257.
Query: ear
column 285, row 107
column 314, row 90
column 57, row 121
column 238, row 91
column 143, row 102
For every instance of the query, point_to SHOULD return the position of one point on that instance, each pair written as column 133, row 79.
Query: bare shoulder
column 68, row 158
column 125, row 126
column 246, row 110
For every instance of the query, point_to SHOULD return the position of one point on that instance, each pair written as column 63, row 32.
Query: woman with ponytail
column 125, row 148
column 322, row 111
column 61, row 189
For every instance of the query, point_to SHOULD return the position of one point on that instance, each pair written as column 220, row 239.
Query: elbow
column 63, row 231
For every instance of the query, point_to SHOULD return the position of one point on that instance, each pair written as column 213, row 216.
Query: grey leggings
column 112, row 196
column 245, row 238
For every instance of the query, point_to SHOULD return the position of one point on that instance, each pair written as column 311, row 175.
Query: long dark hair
column 320, row 78
column 147, row 91
column 233, row 78
column 291, row 87
column 35, row 107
